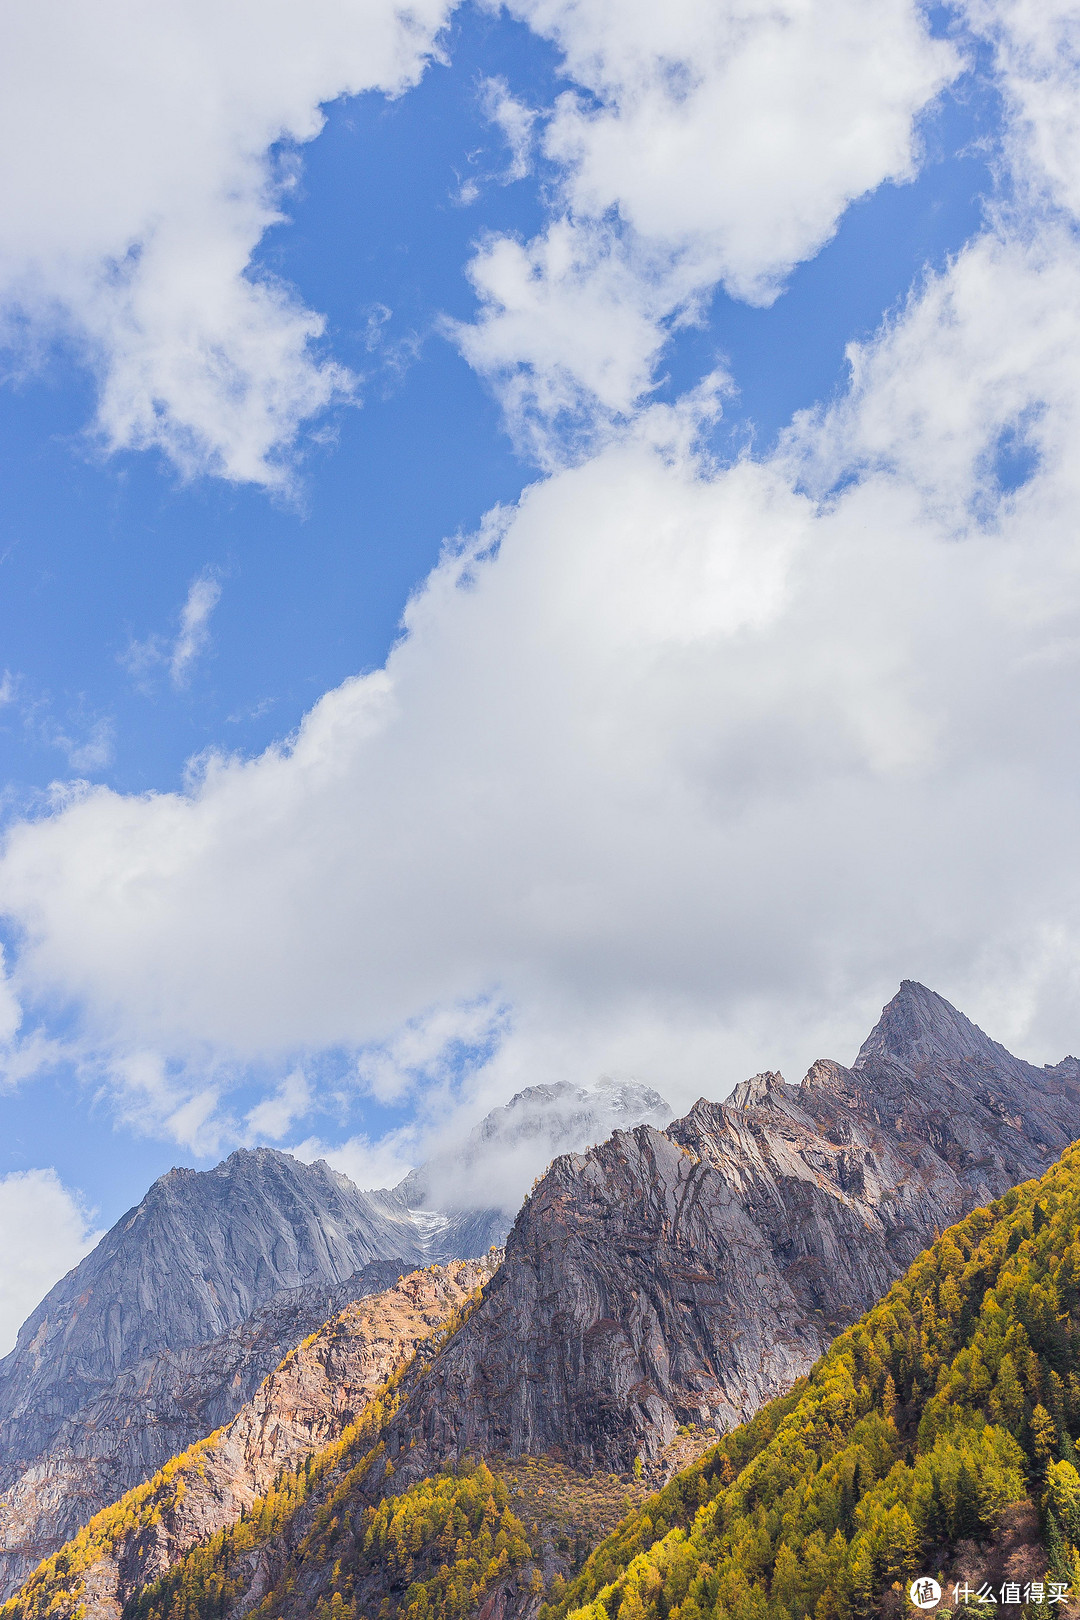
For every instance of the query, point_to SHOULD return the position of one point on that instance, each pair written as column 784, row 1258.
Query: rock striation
column 679, row 1276
column 152, row 1412
column 688, row 1275
column 304, row 1405
column 162, row 1332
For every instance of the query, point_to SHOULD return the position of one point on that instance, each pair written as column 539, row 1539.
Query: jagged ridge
column 943, row 1420
column 685, row 1276
column 690, row 1275
column 166, row 1327
column 312, row 1400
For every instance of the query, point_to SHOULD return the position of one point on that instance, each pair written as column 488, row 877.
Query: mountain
column 677, row 1280
column 169, row 1324
column 309, row 1403
column 161, row 1334
column 688, row 1275
column 935, row 1436
column 152, row 1411
column 473, row 1187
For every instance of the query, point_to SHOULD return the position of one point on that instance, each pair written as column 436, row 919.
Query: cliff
column 168, row 1325
column 937, row 1435
column 475, row 1184
column 152, row 1412
column 193, row 1297
column 689, row 1275
column 685, row 1277
column 306, row 1404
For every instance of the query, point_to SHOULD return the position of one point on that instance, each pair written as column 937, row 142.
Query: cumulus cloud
column 705, row 145
column 677, row 768
column 571, row 328
column 136, row 183
column 44, row 1231
column 687, row 765
column 1037, row 49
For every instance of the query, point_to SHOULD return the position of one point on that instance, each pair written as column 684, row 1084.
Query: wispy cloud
column 88, row 740
column 515, row 120
column 180, row 655
column 202, row 599
column 93, row 750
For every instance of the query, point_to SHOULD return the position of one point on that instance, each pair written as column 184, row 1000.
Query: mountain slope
column 685, row 1277
column 935, row 1436
column 689, row 1275
column 108, row 1380
column 168, row 1327
column 311, row 1401
column 151, row 1412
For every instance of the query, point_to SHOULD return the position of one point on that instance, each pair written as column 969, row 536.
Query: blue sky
column 506, row 875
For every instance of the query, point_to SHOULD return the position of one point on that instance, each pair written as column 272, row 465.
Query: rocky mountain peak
column 200, row 1255
column 919, row 1027
column 750, row 1093
column 474, row 1186
column 685, row 1275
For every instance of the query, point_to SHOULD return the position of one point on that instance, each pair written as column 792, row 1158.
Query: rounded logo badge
column 925, row 1592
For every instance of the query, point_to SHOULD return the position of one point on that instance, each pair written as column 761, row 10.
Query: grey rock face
column 691, row 1274
column 166, row 1328
column 161, row 1334
column 475, row 1187
column 151, row 1412
column 302, row 1405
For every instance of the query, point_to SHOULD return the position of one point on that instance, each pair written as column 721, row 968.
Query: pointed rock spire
column 919, row 1027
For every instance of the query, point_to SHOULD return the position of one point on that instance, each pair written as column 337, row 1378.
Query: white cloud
column 192, row 637
column 275, row 1116
column 429, row 1054
column 135, row 184
column 369, row 1164
column 713, row 144
column 570, row 331
column 739, row 132
column 91, row 751
column 202, row 599
column 514, row 120
column 1037, row 49
column 684, row 764
column 44, row 1231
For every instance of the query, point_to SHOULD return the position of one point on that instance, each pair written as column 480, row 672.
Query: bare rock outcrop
column 153, row 1411
column 162, row 1332
column 689, row 1275
column 471, row 1190
column 305, row 1404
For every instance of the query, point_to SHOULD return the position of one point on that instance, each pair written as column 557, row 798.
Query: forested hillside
column 913, row 1447
column 936, row 1435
